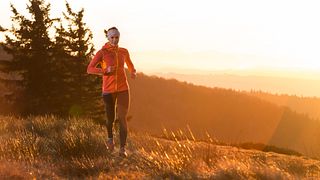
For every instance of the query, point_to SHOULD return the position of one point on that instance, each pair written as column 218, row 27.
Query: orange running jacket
column 112, row 56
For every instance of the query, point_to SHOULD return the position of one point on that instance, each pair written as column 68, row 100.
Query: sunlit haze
column 216, row 88
column 243, row 36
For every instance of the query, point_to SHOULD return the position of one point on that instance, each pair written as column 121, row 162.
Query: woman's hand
column 109, row 70
column 133, row 75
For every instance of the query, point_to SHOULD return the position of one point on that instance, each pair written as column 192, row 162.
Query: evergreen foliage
column 47, row 75
column 74, row 45
column 31, row 66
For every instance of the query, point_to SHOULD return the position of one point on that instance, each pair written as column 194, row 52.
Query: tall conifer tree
column 30, row 46
column 48, row 75
column 83, row 89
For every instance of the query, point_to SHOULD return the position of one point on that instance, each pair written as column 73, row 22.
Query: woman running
column 115, row 88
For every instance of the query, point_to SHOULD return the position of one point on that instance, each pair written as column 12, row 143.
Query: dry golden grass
column 50, row 147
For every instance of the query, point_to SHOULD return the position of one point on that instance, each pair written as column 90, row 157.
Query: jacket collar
column 109, row 47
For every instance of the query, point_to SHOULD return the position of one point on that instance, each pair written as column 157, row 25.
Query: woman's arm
column 130, row 65
column 92, row 67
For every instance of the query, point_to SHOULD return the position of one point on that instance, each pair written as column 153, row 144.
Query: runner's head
column 113, row 35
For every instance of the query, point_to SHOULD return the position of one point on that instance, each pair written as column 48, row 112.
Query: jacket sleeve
column 129, row 63
column 92, row 67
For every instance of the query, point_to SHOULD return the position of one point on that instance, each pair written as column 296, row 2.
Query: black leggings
column 117, row 106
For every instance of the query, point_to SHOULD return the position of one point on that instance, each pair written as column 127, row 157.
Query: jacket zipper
column 117, row 60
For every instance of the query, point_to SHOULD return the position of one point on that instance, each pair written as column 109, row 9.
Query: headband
column 113, row 32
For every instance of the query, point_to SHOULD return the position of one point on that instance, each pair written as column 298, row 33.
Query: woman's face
column 113, row 37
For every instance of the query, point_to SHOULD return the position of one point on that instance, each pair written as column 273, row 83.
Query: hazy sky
column 204, row 34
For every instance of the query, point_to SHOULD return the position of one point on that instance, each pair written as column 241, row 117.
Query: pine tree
column 60, row 58
column 48, row 75
column 83, row 89
column 31, row 67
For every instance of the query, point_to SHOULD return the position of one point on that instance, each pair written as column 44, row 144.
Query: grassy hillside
column 49, row 147
column 228, row 115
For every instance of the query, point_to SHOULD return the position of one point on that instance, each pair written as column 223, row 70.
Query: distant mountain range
column 270, row 84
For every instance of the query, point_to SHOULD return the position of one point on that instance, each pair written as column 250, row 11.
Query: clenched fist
column 109, row 70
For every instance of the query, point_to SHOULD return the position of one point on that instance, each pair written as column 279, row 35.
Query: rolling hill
column 228, row 115
column 304, row 105
column 301, row 95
